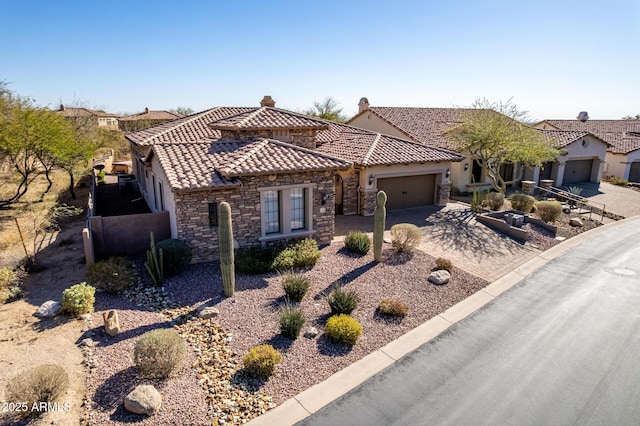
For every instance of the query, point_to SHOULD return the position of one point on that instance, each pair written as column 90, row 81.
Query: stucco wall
column 372, row 122
column 619, row 164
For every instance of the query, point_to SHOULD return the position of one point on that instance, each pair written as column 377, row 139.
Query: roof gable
column 562, row 138
column 623, row 136
column 268, row 118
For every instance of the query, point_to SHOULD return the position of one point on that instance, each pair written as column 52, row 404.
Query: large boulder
column 48, row 309
column 144, row 399
column 574, row 221
column 111, row 322
column 208, row 312
column 440, row 277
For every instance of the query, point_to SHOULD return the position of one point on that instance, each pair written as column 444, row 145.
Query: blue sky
column 554, row 58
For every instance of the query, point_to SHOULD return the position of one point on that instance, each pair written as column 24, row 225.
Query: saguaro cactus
column 155, row 263
column 379, row 217
column 225, row 247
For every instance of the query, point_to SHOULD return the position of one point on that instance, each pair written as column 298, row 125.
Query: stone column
column 528, row 187
column 546, row 183
column 442, row 198
column 368, row 201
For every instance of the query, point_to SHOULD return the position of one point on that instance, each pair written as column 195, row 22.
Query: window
column 297, row 208
column 161, row 195
column 155, row 193
column 213, row 215
column 476, row 171
column 271, row 211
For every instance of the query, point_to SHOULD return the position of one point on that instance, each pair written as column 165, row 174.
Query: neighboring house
column 92, row 117
column 623, row 136
column 284, row 174
column 582, row 160
column 148, row 118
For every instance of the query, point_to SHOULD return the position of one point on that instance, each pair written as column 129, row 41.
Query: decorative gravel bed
column 210, row 387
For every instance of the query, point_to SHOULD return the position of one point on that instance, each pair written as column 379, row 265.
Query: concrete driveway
column 617, row 199
column 452, row 232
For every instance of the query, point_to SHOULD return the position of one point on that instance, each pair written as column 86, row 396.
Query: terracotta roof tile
column 562, row 138
column 151, row 115
column 622, row 135
column 268, row 118
column 84, row 112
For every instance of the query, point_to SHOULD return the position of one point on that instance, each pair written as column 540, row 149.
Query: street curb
column 313, row 399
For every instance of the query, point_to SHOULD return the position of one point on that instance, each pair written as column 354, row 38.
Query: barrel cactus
column 225, row 244
column 379, row 217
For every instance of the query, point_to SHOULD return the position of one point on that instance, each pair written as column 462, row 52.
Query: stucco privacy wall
column 127, row 235
column 192, row 211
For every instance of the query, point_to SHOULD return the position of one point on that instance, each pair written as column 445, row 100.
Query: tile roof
column 202, row 165
column 623, row 135
column 268, row 118
column 151, row 115
column 562, row 138
column 367, row 148
column 83, row 112
column 424, row 125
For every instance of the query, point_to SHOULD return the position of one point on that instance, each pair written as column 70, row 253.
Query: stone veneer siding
column 442, row 196
column 305, row 138
column 350, row 193
column 192, row 211
column 367, row 201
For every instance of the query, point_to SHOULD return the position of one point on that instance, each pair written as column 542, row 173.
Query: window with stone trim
column 213, row 215
column 286, row 210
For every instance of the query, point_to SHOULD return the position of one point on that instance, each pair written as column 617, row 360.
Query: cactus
column 379, row 216
column 225, row 246
column 154, row 263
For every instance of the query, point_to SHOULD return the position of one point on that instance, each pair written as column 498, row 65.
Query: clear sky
column 555, row 58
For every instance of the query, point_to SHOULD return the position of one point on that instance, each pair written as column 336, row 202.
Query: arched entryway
column 339, row 197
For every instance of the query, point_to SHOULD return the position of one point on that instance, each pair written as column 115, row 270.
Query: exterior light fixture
column 466, row 166
column 370, row 179
column 324, row 198
column 448, row 173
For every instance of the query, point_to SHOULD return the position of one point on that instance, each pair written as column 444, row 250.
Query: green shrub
column 291, row 320
column 255, row 259
column 295, row 286
column 78, row 299
column 297, row 255
column 44, row 383
column 261, row 361
column 342, row 301
column 405, row 237
column 113, row 275
column 442, row 263
column 615, row 180
column 159, row 352
column 549, row 211
column 10, row 284
column 343, row 329
column 357, row 242
column 494, row 200
column 393, row 308
column 522, row 202
column 177, row 255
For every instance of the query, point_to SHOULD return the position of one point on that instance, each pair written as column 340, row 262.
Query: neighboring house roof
column 366, row 148
column 217, row 164
column 424, row 125
column 622, row 135
column 151, row 116
column 268, row 118
column 83, row 112
column 562, row 138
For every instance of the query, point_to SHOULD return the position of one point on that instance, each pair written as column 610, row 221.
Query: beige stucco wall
column 372, row 122
column 585, row 148
column 619, row 164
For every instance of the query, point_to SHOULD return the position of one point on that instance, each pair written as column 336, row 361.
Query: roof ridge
column 372, row 148
column 170, row 129
column 245, row 156
column 251, row 115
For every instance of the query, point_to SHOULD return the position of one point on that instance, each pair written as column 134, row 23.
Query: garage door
column 577, row 171
column 408, row 191
column 634, row 172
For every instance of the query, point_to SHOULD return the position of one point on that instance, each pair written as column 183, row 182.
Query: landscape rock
column 88, row 342
column 144, row 399
column 311, row 333
column 48, row 309
column 440, row 277
column 111, row 322
column 574, row 221
column 208, row 312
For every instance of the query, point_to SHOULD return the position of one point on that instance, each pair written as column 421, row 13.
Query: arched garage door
column 577, row 171
column 404, row 192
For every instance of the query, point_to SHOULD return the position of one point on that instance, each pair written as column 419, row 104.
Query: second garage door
column 634, row 172
column 408, row 191
column 577, row 171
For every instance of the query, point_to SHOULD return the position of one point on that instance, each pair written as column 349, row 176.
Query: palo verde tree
column 631, row 117
column 327, row 109
column 495, row 134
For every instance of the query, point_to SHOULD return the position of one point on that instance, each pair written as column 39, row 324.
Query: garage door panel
column 404, row 192
column 577, row 171
column 634, row 172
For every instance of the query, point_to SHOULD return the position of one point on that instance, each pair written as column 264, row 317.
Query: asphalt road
column 560, row 348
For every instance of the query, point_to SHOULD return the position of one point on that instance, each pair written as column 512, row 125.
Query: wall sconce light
column 324, row 198
column 448, row 173
column 370, row 179
column 466, row 166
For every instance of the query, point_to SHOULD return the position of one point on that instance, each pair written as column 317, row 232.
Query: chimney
column 583, row 116
column 267, row 101
column 363, row 105
column 62, row 108
column 146, row 110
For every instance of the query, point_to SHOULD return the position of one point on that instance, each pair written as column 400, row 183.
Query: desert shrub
column 522, row 202
column 176, row 254
column 44, row 383
column 261, row 361
column 393, row 308
column 113, row 275
column 405, row 237
column 343, row 329
column 357, row 242
column 342, row 301
column 295, row 286
column 255, row 259
column 442, row 263
column 78, row 299
column 159, row 352
column 615, row 180
column 297, row 255
column 549, row 211
column 494, row 200
column 10, row 284
column 291, row 320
